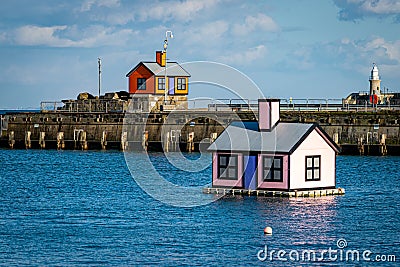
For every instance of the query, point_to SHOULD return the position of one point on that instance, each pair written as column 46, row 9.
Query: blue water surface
column 73, row 208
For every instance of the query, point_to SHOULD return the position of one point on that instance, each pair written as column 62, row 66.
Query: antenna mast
column 99, row 62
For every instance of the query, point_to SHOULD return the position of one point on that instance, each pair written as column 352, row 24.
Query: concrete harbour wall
column 368, row 133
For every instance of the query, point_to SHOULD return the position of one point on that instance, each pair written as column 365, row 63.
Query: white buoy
column 268, row 230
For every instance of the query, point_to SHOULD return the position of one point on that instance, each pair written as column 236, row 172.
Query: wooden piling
column 124, row 141
column 103, row 140
column 83, row 141
column 42, row 142
column 60, row 141
column 175, row 138
column 11, row 140
column 382, row 148
column 190, row 142
column 28, row 143
column 166, row 141
column 145, row 140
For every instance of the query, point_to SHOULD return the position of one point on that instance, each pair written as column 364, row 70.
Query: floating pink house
column 273, row 155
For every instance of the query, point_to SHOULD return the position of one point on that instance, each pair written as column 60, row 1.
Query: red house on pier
column 149, row 78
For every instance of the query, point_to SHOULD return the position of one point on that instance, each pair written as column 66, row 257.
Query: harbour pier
column 356, row 130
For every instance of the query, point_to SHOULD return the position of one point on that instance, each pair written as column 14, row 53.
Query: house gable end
column 143, row 73
column 314, row 146
column 136, row 67
column 328, row 139
column 301, row 140
column 322, row 133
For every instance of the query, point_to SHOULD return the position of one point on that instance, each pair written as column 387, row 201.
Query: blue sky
column 290, row 48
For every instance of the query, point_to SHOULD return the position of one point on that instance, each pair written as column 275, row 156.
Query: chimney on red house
column 160, row 58
column 268, row 113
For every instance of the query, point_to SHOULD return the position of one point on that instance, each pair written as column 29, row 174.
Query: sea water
column 73, row 208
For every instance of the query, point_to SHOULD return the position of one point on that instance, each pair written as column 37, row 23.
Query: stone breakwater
column 365, row 133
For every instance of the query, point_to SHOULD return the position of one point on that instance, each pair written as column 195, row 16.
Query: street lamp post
column 167, row 33
column 99, row 62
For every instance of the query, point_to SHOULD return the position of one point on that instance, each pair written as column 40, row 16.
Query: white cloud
column 361, row 52
column 382, row 6
column 347, row 54
column 246, row 57
column 357, row 9
column 357, row 55
column 94, row 36
column 119, row 18
column 208, row 33
column 3, row 37
column 259, row 22
column 34, row 35
column 88, row 4
column 388, row 50
column 121, row 14
column 175, row 10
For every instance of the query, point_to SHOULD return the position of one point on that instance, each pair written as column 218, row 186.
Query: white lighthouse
column 374, row 81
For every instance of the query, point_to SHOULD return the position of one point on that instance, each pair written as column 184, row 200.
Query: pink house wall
column 268, row 114
column 273, row 185
column 225, row 182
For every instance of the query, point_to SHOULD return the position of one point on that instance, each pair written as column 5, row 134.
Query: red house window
column 141, row 84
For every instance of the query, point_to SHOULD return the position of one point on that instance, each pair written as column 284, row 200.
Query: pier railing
column 90, row 106
column 300, row 105
column 296, row 105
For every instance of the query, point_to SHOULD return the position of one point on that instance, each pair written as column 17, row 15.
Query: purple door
column 250, row 165
column 171, row 86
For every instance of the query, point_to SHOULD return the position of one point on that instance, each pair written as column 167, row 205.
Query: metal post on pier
column 167, row 33
column 1, row 124
column 99, row 62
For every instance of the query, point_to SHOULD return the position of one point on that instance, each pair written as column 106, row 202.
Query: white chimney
column 268, row 114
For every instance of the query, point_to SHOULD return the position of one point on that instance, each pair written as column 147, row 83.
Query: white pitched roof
column 173, row 69
column 246, row 137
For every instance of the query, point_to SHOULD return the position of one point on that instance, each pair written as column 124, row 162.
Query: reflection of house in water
column 312, row 213
column 302, row 213
column 375, row 94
